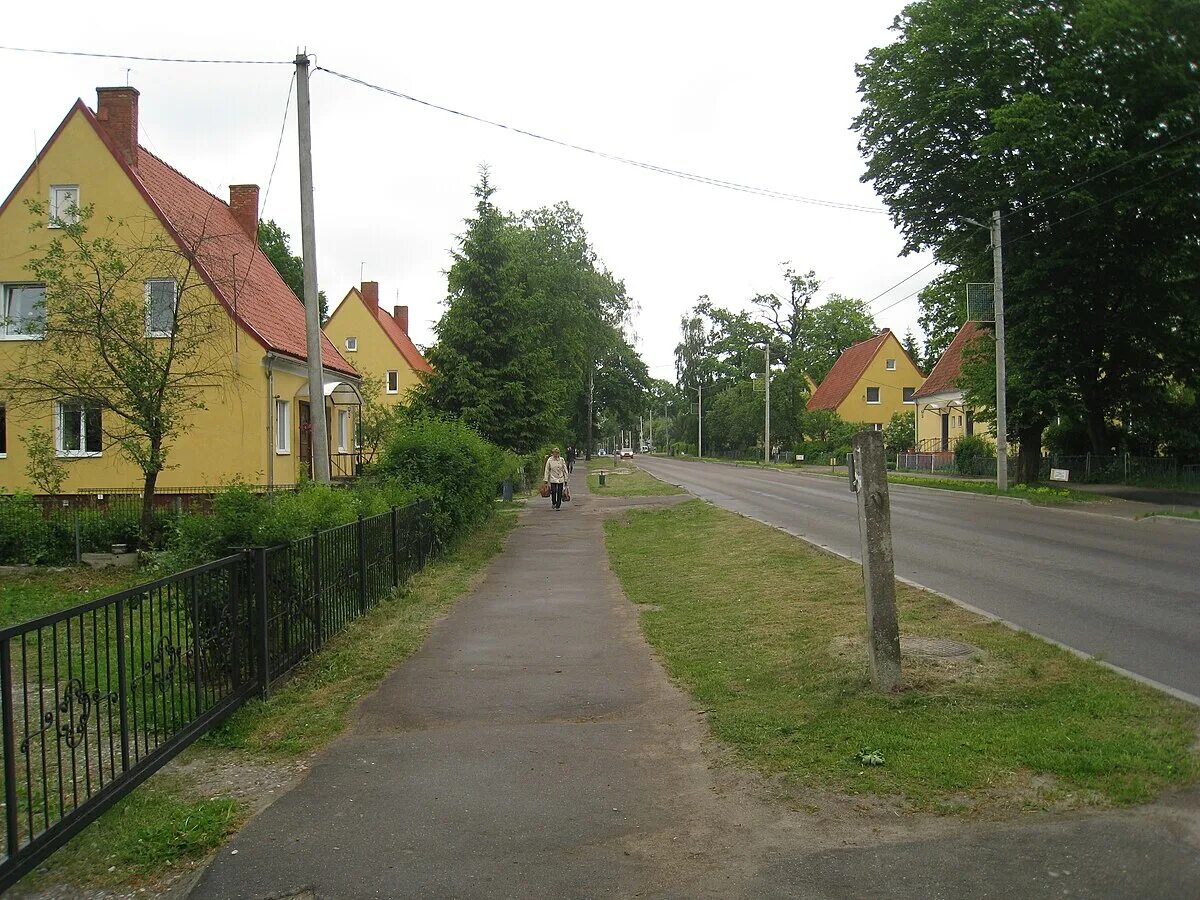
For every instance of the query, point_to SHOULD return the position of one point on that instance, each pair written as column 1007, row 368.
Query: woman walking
column 556, row 475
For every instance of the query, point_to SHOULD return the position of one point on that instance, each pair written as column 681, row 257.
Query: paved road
column 1128, row 592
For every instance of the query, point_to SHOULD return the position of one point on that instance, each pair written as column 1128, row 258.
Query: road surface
column 1127, row 592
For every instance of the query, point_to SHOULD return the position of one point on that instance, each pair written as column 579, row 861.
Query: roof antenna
column 360, row 272
column 127, row 71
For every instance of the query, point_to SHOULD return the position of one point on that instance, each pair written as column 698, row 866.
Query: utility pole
column 587, row 451
column 767, row 424
column 652, row 429
column 318, row 431
column 1001, row 378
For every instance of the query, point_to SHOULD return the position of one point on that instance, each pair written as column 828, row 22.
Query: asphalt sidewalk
column 535, row 748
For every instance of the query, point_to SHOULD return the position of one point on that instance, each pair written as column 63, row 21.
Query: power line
column 282, row 128
column 164, row 59
column 662, row 170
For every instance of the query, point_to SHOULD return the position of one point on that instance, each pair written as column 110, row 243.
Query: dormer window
column 64, row 205
column 352, row 344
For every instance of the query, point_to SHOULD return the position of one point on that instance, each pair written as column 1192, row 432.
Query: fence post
column 316, row 580
column 123, row 685
column 78, row 540
column 395, row 550
column 362, row 565
column 10, row 760
column 235, row 649
column 263, row 642
column 879, row 574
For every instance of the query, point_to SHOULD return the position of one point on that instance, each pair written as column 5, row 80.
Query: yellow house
column 942, row 417
column 377, row 342
column 249, row 375
column 871, row 381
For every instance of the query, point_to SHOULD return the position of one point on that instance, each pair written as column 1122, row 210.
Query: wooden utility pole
column 318, row 431
column 767, row 420
column 1001, row 379
column 868, row 479
column 587, row 450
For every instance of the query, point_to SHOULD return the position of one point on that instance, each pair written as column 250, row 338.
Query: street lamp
column 699, row 418
column 1001, row 376
column 766, row 345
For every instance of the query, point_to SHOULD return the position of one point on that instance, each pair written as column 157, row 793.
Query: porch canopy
column 341, row 393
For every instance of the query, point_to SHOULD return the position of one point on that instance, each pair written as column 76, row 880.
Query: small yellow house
column 871, row 381
column 942, row 417
column 252, row 424
column 377, row 342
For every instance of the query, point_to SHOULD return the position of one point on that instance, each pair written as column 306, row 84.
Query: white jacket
column 556, row 470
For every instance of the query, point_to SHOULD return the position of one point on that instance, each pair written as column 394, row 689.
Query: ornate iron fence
column 95, row 698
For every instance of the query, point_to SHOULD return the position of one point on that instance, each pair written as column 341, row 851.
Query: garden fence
column 95, row 698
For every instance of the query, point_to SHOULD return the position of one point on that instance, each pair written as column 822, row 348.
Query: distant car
column 602, row 453
column 626, row 453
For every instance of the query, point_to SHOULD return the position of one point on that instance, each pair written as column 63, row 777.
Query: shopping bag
column 566, row 494
column 544, row 490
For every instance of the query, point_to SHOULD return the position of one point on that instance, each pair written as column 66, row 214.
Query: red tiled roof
column 944, row 376
column 846, row 372
column 264, row 305
column 397, row 335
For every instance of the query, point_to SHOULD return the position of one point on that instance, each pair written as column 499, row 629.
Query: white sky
column 758, row 93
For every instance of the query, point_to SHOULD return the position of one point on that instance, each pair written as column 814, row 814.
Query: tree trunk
column 1029, row 457
column 1094, row 421
column 151, row 479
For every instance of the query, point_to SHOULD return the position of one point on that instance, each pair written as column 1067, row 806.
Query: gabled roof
column 256, row 295
column 846, row 372
column 397, row 335
column 944, row 376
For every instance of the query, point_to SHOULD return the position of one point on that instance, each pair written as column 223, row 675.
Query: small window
column 24, row 310
column 393, row 381
column 64, row 205
column 78, row 431
column 160, row 307
column 877, row 426
column 352, row 344
column 908, row 392
column 891, row 365
column 283, row 432
column 3, row 431
column 872, row 395
column 343, row 430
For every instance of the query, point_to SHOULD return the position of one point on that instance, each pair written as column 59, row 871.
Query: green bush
column 971, row 453
column 25, row 535
column 449, row 464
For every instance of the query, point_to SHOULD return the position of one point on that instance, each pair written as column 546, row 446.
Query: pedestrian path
column 534, row 748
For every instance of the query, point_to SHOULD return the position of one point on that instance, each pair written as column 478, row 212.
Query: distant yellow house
column 871, row 381
column 253, row 425
column 942, row 417
column 377, row 342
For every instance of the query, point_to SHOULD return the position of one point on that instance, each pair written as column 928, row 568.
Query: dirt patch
column 923, row 673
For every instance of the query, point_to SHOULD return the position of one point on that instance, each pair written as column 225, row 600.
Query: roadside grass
column 1175, row 513
column 631, row 483
column 175, row 820
column 767, row 634
column 29, row 593
column 1035, row 493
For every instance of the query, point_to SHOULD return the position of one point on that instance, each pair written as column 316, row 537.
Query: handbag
column 566, row 494
column 544, row 490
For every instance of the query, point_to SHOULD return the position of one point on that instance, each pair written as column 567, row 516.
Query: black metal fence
column 96, row 698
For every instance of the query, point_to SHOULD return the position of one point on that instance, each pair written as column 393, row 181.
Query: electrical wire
column 287, row 105
column 662, row 170
column 164, row 59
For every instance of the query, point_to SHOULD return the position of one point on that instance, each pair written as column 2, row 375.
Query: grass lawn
column 1177, row 513
column 627, row 481
column 28, row 593
column 174, row 819
column 1036, row 493
column 767, row 634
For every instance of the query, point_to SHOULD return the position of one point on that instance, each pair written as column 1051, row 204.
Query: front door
column 945, row 432
column 970, row 423
column 305, row 438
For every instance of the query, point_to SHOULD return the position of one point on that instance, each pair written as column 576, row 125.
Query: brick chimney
column 400, row 314
column 370, row 294
column 243, row 203
column 117, row 112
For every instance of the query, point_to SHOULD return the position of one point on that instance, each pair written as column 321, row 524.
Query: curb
column 1175, row 520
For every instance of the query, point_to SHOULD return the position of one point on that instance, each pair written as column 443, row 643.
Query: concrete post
column 879, row 573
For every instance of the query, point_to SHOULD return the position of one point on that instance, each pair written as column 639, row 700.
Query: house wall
column 855, row 407
column 227, row 439
column 376, row 353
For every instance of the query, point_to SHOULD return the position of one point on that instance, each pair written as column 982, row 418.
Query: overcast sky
column 757, row 93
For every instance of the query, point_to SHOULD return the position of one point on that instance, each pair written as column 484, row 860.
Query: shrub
column 970, row 454
column 24, row 533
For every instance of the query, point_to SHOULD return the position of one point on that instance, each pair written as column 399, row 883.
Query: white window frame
column 149, row 285
column 351, row 345
column 393, row 378
column 878, row 396
column 59, row 451
column 877, row 426
column 283, row 427
column 343, row 430
column 911, row 391
column 890, row 365
column 56, row 213
column 6, row 290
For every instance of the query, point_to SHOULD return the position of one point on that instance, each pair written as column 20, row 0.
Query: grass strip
column 1176, row 513
column 172, row 820
column 627, row 481
column 1036, row 493
column 767, row 634
column 29, row 593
